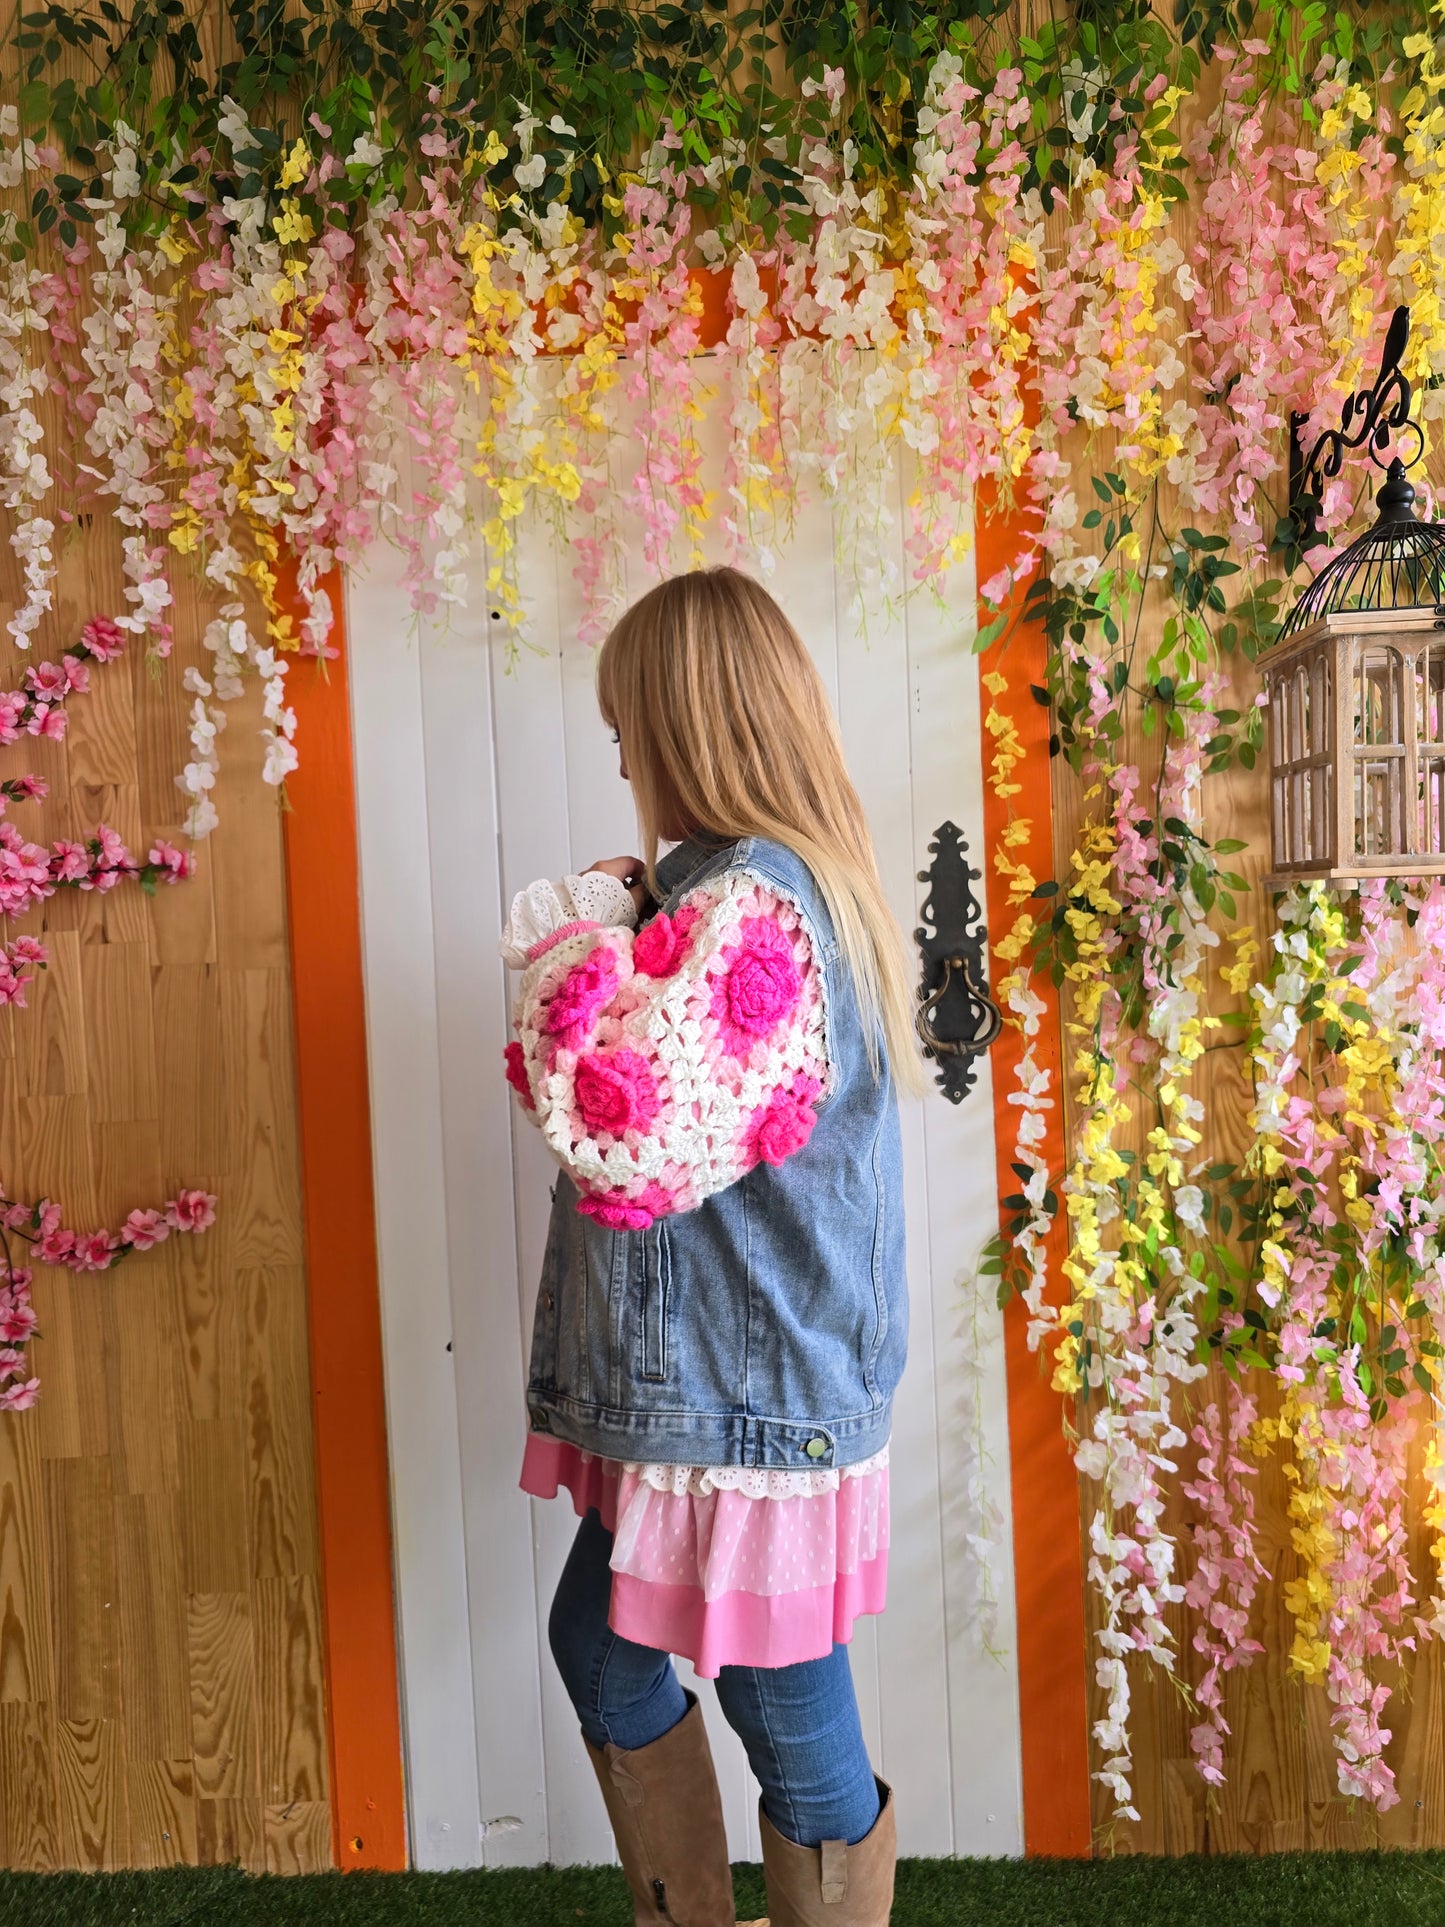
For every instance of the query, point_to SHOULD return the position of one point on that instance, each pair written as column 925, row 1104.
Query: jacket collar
column 685, row 859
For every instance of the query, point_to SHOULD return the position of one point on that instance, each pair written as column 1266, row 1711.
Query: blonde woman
column 709, row 1045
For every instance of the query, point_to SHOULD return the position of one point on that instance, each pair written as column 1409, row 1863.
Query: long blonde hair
column 726, row 729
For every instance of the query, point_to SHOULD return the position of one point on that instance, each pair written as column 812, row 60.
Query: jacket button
column 539, row 1418
column 815, row 1448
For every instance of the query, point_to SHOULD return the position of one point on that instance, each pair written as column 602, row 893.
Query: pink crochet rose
column 615, row 1092
column 784, row 1124
column 619, row 1212
column 517, row 1074
column 759, row 989
column 662, row 945
column 584, row 991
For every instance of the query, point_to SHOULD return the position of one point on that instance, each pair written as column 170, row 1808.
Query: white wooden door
column 477, row 773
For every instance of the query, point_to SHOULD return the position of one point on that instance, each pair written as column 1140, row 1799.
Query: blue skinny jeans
column 798, row 1724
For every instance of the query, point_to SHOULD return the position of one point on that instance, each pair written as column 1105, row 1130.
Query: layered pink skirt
column 730, row 1565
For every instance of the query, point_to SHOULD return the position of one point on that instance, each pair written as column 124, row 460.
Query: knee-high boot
column 834, row 1885
column 666, row 1815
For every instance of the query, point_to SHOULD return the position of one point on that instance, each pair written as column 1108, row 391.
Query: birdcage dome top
column 1397, row 564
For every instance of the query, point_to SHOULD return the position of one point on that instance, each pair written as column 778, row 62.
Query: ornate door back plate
column 957, row 1019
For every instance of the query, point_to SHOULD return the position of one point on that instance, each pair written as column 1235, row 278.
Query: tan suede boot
column 667, row 1818
column 834, row 1885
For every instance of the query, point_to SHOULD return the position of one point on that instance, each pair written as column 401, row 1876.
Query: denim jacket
column 767, row 1326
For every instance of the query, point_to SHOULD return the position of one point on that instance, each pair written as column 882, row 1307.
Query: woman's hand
column 630, row 870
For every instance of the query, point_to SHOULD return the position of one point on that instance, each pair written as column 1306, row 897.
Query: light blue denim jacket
column 767, row 1327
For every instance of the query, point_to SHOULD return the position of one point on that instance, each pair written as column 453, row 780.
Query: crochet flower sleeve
column 663, row 1064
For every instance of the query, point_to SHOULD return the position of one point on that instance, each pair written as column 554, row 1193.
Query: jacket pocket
column 656, row 1284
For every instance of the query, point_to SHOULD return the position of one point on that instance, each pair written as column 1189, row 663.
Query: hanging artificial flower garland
column 252, row 297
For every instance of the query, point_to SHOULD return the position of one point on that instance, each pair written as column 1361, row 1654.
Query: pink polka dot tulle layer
column 735, row 1565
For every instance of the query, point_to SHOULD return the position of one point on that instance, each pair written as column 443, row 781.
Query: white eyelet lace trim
column 543, row 907
column 754, row 1481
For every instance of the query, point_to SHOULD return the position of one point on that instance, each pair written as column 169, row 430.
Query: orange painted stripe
column 711, row 286
column 1047, row 1539
column 347, row 1399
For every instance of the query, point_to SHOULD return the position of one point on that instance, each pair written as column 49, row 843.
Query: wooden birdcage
column 1356, row 683
column 1357, row 747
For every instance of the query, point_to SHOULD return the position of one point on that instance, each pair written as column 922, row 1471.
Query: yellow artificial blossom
column 174, row 245
column 1239, row 974
column 1418, row 265
column 291, row 225
column 297, row 165
column 1315, row 1467
column 1004, row 759
column 1433, row 1510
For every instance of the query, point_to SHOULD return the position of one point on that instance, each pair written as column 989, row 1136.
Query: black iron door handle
column 957, row 1019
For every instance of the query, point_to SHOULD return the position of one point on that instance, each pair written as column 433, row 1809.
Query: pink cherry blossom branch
column 51, row 1243
column 37, row 707
column 29, row 873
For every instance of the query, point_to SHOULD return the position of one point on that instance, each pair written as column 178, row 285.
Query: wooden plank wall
column 161, row 1680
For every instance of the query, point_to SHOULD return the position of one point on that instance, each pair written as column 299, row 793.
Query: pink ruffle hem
column 723, row 1577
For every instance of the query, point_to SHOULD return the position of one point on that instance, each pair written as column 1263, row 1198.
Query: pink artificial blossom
column 172, row 864
column 1227, row 1568
column 69, row 862
column 46, row 680
column 17, row 1320
column 103, row 638
column 143, row 1229
column 56, row 1246
column 191, row 1211
column 93, row 1252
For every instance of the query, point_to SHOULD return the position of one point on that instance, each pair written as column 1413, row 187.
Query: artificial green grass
column 1281, row 1890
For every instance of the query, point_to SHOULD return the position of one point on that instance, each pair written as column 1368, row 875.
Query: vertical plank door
column 481, row 765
